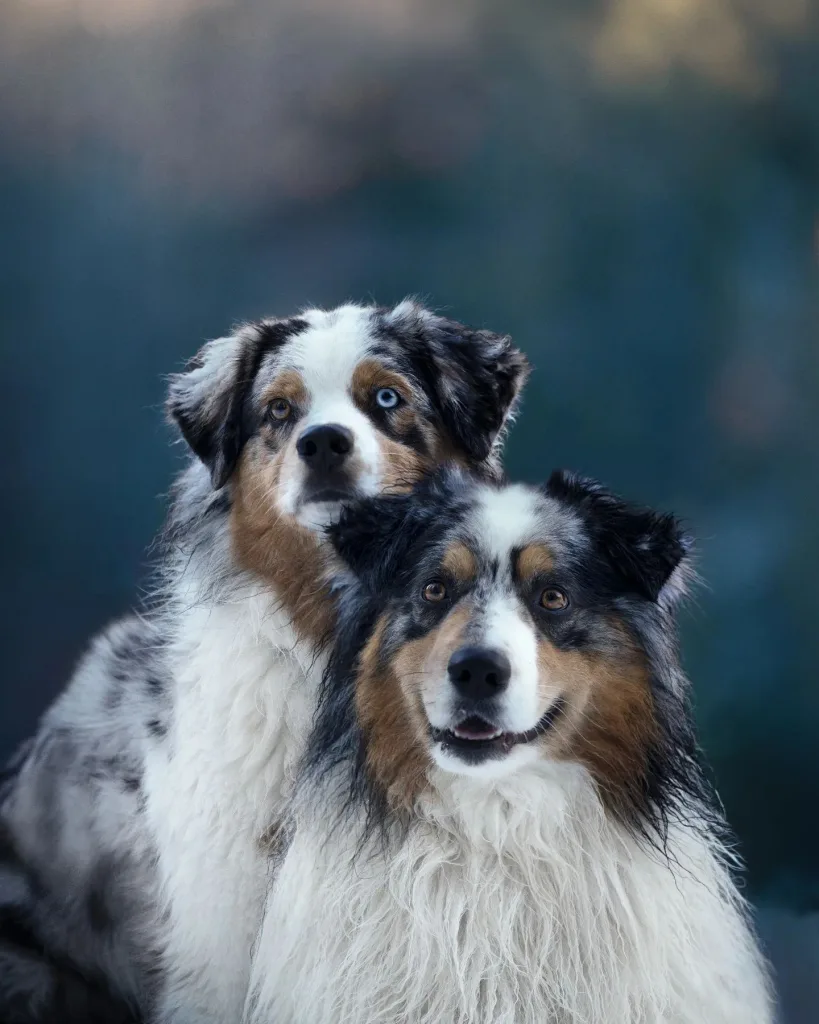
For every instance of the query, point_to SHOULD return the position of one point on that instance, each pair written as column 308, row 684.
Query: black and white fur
column 512, row 890
column 139, row 817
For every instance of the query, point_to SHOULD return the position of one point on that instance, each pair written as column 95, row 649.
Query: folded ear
column 648, row 550
column 205, row 401
column 475, row 376
column 479, row 378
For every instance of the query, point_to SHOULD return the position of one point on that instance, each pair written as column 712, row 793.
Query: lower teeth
column 468, row 736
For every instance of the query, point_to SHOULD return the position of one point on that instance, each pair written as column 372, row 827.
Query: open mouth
column 475, row 739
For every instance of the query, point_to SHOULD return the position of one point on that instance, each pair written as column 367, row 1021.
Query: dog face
column 519, row 627
column 330, row 406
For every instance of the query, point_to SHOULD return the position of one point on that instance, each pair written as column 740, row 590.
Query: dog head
column 325, row 407
column 511, row 626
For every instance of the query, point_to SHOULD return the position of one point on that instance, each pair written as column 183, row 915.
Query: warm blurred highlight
column 629, row 187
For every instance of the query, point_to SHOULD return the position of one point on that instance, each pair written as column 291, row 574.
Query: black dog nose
column 326, row 446
column 479, row 672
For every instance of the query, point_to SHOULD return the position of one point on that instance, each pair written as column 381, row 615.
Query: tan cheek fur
column 609, row 721
column 276, row 547
column 389, row 700
column 402, row 465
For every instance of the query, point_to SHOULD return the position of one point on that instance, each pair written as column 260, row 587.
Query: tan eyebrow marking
column 371, row 374
column 534, row 560
column 288, row 384
column 460, row 562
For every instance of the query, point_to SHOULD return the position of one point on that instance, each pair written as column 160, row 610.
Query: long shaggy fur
column 527, row 905
column 523, row 899
column 140, row 819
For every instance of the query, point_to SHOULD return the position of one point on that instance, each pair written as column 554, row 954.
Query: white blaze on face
column 326, row 356
column 505, row 519
column 509, row 628
column 502, row 625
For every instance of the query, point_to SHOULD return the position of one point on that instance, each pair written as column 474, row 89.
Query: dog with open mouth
column 500, row 817
column 142, row 815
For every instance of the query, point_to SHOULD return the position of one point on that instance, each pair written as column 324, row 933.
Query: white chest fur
column 524, row 905
column 241, row 709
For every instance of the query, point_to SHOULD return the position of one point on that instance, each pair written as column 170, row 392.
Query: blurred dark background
column 629, row 187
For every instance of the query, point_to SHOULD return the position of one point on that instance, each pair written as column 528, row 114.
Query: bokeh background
column 629, row 187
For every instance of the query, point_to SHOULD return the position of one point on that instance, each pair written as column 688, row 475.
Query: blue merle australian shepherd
column 500, row 818
column 135, row 829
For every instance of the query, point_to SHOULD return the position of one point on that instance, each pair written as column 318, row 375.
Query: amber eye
column 434, row 591
column 553, row 600
column 280, row 409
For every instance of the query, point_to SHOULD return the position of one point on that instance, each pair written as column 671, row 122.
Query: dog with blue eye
column 500, row 816
column 136, row 827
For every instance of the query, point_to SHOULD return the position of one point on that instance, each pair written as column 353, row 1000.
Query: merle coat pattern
column 136, row 824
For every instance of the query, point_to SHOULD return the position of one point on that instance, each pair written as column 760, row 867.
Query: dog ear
column 377, row 537
column 205, row 401
column 479, row 377
column 649, row 551
column 476, row 378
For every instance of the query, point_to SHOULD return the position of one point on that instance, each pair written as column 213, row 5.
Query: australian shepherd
column 500, row 817
column 136, row 827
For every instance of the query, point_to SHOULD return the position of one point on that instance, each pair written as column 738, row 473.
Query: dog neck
column 517, row 903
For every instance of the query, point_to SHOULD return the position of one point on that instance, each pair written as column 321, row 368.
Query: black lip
column 328, row 494
column 475, row 751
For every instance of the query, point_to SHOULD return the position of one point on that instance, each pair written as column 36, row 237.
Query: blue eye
column 387, row 398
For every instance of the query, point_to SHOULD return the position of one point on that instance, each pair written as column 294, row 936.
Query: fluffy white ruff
column 242, row 707
column 519, row 903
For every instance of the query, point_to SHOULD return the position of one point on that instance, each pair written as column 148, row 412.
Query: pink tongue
column 475, row 728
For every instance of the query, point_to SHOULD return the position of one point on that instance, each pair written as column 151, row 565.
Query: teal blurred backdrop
column 629, row 187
